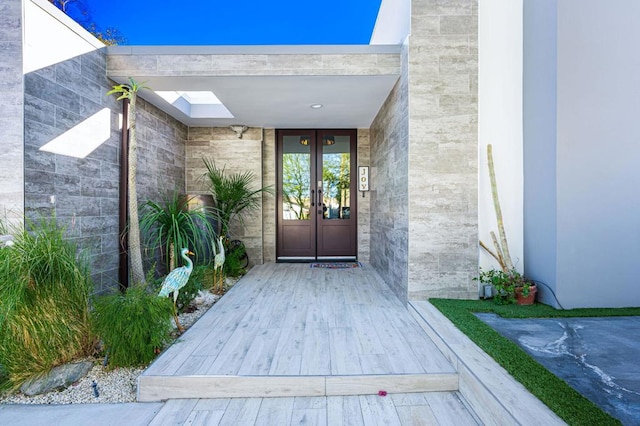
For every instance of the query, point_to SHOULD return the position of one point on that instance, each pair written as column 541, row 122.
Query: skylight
column 203, row 104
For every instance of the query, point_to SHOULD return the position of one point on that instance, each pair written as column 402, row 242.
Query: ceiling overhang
column 266, row 86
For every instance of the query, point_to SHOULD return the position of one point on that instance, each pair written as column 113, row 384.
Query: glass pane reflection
column 296, row 178
column 336, row 177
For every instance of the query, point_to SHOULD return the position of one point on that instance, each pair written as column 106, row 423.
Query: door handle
column 320, row 204
column 312, row 198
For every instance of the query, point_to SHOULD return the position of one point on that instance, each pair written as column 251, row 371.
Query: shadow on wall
column 72, row 156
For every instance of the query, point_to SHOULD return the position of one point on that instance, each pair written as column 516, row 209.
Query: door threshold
column 296, row 259
column 337, row 258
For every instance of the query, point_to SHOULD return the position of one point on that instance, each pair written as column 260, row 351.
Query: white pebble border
column 117, row 385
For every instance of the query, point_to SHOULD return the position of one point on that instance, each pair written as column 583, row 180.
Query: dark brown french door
column 316, row 206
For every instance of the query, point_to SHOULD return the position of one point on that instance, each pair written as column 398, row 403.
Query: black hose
column 551, row 290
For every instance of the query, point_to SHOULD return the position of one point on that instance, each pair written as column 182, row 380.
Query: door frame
column 350, row 253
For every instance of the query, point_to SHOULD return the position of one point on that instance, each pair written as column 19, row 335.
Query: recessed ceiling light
column 315, row 106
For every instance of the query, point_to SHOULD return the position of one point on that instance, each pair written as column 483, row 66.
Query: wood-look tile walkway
column 432, row 408
column 291, row 330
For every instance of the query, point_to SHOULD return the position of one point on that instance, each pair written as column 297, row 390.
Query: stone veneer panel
column 81, row 192
column 237, row 156
column 269, row 231
column 161, row 150
column 364, row 202
column 389, row 193
column 11, row 112
column 166, row 64
column 442, row 163
column 85, row 191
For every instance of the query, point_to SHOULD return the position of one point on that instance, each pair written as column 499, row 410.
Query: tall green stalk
column 502, row 248
column 130, row 92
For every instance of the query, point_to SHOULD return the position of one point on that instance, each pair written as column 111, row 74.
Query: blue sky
column 233, row 22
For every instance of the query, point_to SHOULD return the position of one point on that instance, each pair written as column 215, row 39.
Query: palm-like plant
column 130, row 92
column 171, row 226
column 233, row 195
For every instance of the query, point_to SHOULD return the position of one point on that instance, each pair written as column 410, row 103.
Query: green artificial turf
column 565, row 401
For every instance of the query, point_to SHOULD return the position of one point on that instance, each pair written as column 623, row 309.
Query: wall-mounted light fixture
column 329, row 140
column 239, row 129
column 304, row 140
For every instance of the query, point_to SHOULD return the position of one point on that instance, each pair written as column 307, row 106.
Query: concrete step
column 159, row 388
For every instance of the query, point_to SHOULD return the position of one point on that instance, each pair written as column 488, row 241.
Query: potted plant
column 510, row 287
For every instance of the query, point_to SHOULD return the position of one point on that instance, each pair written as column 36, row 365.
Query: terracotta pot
column 528, row 300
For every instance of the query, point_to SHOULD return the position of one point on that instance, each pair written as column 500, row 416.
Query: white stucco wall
column 540, row 116
column 500, row 123
column 393, row 22
column 598, row 153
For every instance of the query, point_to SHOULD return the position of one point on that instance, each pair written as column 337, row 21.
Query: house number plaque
column 363, row 179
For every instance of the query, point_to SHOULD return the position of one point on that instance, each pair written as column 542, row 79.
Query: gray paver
column 596, row 356
column 131, row 414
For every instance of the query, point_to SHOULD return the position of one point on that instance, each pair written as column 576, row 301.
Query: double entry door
column 316, row 206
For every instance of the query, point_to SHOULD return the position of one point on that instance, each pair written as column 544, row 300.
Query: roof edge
column 255, row 50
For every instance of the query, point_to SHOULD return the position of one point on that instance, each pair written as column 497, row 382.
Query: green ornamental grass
column 134, row 326
column 565, row 401
column 44, row 304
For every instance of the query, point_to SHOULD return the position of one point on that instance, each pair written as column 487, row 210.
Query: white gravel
column 115, row 385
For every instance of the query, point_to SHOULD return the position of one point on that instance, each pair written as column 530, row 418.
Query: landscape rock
column 6, row 240
column 58, row 378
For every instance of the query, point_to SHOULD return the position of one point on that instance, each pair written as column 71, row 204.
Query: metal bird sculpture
column 218, row 262
column 175, row 281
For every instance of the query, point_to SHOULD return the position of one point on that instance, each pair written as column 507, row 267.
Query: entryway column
column 443, row 149
column 11, row 113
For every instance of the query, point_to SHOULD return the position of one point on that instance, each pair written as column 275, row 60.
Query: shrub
column 235, row 259
column 44, row 304
column 172, row 226
column 234, row 194
column 206, row 275
column 505, row 284
column 133, row 325
column 191, row 289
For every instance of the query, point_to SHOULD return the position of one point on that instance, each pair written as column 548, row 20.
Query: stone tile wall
column 162, row 153
column 11, row 115
column 443, row 152
column 269, row 231
column 83, row 193
column 389, row 192
column 124, row 61
column 364, row 203
column 237, row 156
column 424, row 237
column 161, row 160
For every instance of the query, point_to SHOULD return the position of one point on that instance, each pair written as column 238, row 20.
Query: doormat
column 336, row 265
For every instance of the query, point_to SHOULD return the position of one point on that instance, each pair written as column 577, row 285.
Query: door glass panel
column 296, row 177
column 336, row 177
